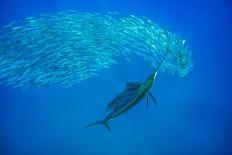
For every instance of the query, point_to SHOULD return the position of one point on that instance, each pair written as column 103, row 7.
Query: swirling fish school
column 68, row 47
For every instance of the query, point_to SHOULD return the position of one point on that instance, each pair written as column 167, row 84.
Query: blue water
column 194, row 112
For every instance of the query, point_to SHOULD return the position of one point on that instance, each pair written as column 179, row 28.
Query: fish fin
column 153, row 98
column 147, row 103
column 103, row 122
column 132, row 85
column 124, row 97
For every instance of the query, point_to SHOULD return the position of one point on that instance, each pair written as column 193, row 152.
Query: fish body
column 142, row 91
column 132, row 95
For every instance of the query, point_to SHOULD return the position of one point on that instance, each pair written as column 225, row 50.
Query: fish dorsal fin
column 132, row 85
column 124, row 97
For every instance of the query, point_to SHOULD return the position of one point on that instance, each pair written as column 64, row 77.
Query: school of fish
column 68, row 47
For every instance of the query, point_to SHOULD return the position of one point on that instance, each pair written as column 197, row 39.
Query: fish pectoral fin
column 153, row 98
column 147, row 103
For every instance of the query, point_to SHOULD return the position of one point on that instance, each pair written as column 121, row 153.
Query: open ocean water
column 193, row 115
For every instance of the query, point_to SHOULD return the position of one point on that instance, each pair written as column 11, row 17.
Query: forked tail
column 103, row 122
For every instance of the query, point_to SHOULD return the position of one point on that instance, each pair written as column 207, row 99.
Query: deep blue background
column 194, row 112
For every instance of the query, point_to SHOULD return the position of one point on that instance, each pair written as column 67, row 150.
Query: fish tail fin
column 103, row 122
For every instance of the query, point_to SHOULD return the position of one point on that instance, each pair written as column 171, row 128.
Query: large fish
column 132, row 94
